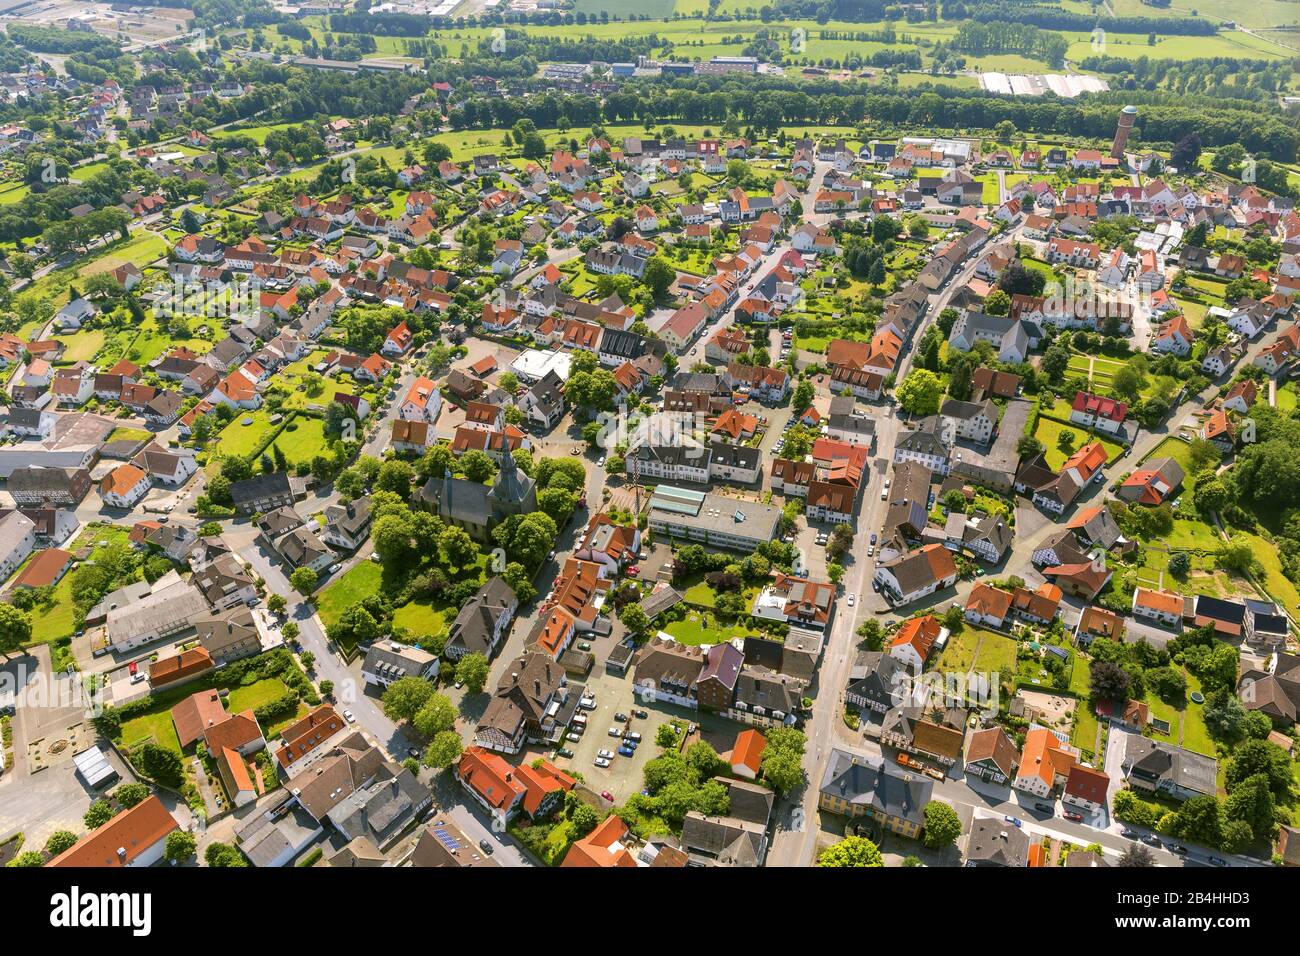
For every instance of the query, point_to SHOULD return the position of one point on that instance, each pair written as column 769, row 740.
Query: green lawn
column 156, row 726
column 129, row 434
column 1048, row 431
column 1175, row 448
column 702, row 628
column 302, row 439
column 420, row 619
column 362, row 580
column 246, row 432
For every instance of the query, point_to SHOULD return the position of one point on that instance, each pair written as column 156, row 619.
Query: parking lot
column 624, row 775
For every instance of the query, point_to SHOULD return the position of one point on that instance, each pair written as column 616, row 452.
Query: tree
column 782, row 761
column 28, row 858
column 1180, row 563
column 59, row 841
column 942, row 825
column 1136, row 856
column 583, row 819
column 472, row 671
column 997, row 303
column 477, row 465
column 159, row 763
column 919, row 392
column 303, row 580
column 405, row 696
column 15, row 628
column 665, row 736
column 444, row 750
column 1260, row 757
column 395, row 476
column 437, row 715
column 458, row 548
column 658, row 275
column 853, row 851
column 130, row 794
column 635, row 619
column 1108, row 681
column 223, row 855
column 180, row 846
column 98, row 813
column 276, row 603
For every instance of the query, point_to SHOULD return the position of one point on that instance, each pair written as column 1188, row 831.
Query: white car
column 615, row 732
column 601, row 462
column 350, row 717
column 852, row 599
column 601, row 762
column 606, row 754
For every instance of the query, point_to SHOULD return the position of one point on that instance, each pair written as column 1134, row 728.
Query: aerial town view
column 677, row 434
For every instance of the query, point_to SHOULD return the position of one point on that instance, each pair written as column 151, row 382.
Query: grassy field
column 420, row 619
column 1048, row 431
column 362, row 580
column 700, row 627
column 245, row 433
column 83, row 345
column 302, row 439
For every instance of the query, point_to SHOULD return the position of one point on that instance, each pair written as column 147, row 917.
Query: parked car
column 1012, row 820
column 350, row 717
column 615, row 732
column 626, row 751
column 852, row 599
column 601, row 762
column 873, row 538
column 1045, row 807
column 640, row 715
column 607, row 754
column 1074, row 816
column 485, row 846
column 607, row 795
column 564, row 752
column 621, row 717
column 633, row 736
column 584, row 646
column 573, row 736
column 1218, row 861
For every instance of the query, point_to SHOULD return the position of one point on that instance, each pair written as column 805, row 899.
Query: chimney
column 537, row 687
column 121, row 853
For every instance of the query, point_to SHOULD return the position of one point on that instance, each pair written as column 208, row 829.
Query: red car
column 607, row 795
column 1071, row 815
column 634, row 570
